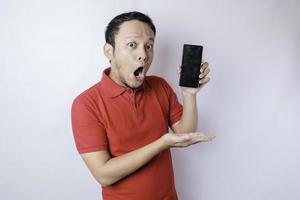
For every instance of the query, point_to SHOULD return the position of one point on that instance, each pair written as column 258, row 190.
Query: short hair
column 114, row 25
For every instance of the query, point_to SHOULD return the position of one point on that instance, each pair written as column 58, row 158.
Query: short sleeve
column 175, row 108
column 88, row 131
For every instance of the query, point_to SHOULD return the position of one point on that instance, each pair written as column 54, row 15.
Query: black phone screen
column 190, row 66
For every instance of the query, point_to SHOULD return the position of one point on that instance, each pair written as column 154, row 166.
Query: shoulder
column 88, row 96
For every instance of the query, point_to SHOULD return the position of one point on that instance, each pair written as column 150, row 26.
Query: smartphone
column 190, row 66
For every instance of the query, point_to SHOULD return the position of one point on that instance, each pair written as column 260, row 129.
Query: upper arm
column 174, row 108
column 95, row 162
column 88, row 126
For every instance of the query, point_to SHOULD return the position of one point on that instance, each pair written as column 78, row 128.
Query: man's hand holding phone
column 203, row 78
column 192, row 72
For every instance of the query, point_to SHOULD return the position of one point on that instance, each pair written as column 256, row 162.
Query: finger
column 204, row 138
column 204, row 61
column 205, row 73
column 199, row 134
column 190, row 136
column 184, row 144
column 197, row 138
column 208, row 135
column 193, row 137
column 185, row 138
column 204, row 80
column 193, row 141
column 203, row 66
column 178, row 70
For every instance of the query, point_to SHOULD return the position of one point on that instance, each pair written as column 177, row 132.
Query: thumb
column 178, row 70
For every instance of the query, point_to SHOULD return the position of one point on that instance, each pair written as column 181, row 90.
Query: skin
column 133, row 48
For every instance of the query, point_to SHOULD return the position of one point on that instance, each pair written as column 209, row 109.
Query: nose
column 142, row 55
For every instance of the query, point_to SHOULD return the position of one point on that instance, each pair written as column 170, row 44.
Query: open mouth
column 139, row 73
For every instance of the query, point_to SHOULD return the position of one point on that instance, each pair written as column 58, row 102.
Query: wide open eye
column 149, row 46
column 132, row 44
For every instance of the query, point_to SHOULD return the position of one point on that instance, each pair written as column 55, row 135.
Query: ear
column 108, row 51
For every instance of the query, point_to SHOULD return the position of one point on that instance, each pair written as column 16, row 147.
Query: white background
column 50, row 51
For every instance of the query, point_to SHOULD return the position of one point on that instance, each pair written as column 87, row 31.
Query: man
column 120, row 124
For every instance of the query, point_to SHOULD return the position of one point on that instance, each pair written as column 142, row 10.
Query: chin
column 135, row 85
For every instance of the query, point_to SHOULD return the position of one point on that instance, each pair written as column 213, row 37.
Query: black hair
column 114, row 25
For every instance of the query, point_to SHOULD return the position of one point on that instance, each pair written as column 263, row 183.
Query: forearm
column 122, row 166
column 189, row 119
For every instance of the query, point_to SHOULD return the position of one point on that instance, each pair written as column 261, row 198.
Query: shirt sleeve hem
column 175, row 118
column 91, row 149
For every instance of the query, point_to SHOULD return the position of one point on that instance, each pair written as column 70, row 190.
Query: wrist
column 188, row 95
column 163, row 143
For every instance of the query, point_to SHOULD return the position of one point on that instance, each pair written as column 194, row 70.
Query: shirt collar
column 113, row 89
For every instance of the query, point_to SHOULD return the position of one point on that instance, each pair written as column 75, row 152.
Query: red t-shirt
column 110, row 117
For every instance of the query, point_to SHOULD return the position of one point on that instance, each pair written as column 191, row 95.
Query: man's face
column 133, row 53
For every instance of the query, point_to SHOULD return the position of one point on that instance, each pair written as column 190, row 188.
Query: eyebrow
column 134, row 36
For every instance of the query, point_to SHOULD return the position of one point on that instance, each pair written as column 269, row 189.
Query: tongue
column 140, row 76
